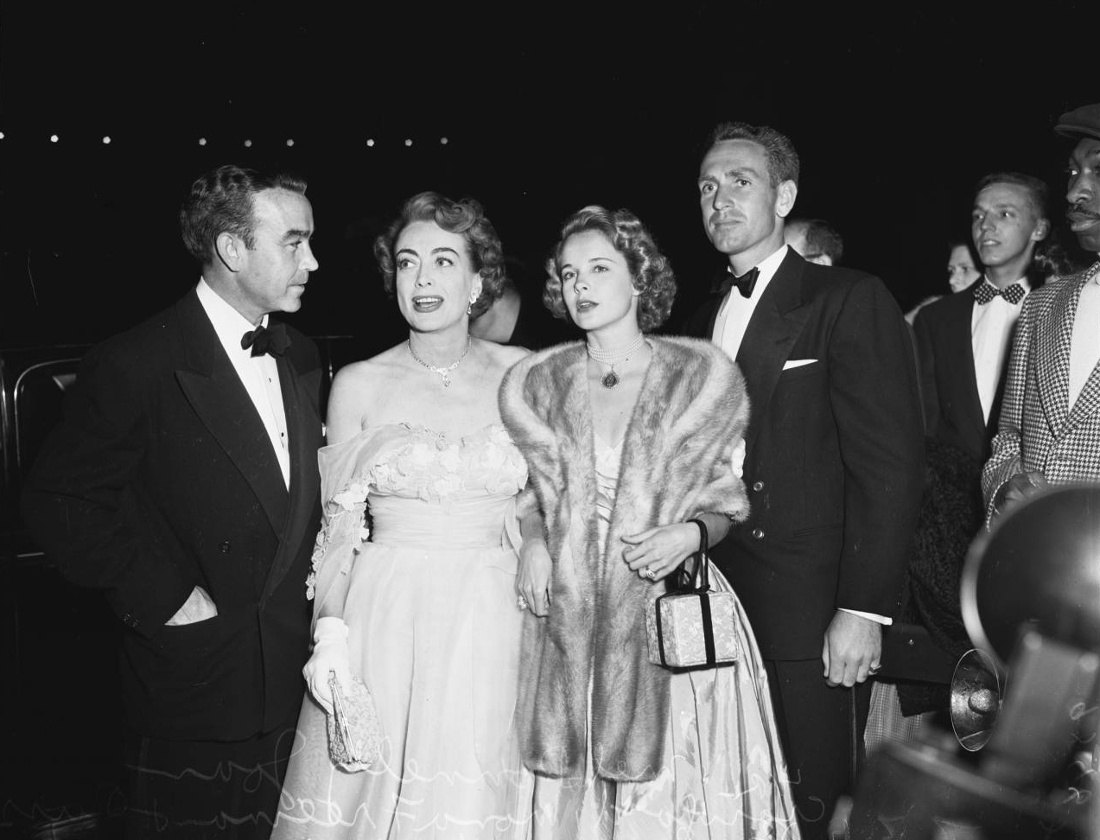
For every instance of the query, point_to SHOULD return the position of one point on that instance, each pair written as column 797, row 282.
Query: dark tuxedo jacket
column 834, row 455
column 161, row 477
column 949, row 385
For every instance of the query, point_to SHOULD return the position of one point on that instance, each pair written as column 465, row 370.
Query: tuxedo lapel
column 303, row 426
column 219, row 398
column 776, row 323
column 1053, row 338
column 960, row 346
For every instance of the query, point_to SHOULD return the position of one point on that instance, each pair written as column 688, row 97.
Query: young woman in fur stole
column 628, row 437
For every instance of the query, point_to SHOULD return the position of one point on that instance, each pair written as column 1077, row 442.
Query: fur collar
column 675, row 464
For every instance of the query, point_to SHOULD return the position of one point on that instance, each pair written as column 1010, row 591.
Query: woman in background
column 963, row 268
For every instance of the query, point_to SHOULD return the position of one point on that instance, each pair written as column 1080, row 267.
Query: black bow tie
column 984, row 293
column 273, row 340
column 745, row 283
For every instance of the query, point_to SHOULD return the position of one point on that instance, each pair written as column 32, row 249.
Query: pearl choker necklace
column 443, row 372
column 614, row 357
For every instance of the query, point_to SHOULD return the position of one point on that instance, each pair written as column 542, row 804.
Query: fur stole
column 676, row 463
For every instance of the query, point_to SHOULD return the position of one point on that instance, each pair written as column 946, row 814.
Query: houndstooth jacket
column 1037, row 429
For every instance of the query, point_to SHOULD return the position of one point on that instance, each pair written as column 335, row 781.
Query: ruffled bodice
column 464, row 484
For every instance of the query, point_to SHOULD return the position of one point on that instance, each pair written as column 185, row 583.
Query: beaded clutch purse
column 354, row 736
column 692, row 627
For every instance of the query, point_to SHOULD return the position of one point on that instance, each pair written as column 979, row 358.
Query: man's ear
column 786, row 193
column 1042, row 228
column 231, row 251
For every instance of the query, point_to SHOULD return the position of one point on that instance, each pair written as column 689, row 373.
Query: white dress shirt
column 730, row 325
column 991, row 326
column 736, row 311
column 1084, row 350
column 258, row 374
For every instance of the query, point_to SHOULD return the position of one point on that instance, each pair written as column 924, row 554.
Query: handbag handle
column 700, row 577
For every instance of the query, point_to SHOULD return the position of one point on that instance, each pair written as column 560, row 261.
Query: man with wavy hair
column 182, row 482
column 833, row 461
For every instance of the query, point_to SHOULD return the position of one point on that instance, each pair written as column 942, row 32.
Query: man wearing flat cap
column 1049, row 431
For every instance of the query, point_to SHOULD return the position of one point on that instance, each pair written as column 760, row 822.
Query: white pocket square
column 793, row 363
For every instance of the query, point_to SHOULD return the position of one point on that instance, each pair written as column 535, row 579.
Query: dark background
column 896, row 112
column 546, row 107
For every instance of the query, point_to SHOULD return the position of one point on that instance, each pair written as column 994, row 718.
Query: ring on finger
column 650, row 573
column 521, row 602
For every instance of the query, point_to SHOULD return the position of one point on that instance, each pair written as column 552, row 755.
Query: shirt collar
column 766, row 268
column 1023, row 281
column 229, row 324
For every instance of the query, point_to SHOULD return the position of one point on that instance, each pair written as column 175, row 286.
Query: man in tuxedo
column 815, row 240
column 182, row 481
column 963, row 339
column 1049, row 428
column 833, row 459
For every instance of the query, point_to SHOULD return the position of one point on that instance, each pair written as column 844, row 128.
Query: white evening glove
column 330, row 653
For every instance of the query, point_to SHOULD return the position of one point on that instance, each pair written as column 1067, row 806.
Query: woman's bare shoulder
column 504, row 355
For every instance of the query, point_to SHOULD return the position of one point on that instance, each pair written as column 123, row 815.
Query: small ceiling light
column 106, row 139
column 1, row 135
column 370, row 141
column 54, row 138
column 408, row 141
column 202, row 141
column 290, row 141
column 248, row 144
column 443, row 141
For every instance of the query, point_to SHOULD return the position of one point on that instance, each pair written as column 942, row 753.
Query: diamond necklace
column 444, row 372
column 614, row 357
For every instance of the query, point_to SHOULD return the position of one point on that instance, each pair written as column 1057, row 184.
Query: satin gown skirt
column 725, row 777
column 726, row 780
column 434, row 632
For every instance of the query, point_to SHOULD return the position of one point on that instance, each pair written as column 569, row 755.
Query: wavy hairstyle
column 464, row 217
column 221, row 201
column 649, row 268
column 783, row 162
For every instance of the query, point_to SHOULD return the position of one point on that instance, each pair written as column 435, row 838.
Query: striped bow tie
column 986, row 292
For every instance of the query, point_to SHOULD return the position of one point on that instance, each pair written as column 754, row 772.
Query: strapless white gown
column 434, row 632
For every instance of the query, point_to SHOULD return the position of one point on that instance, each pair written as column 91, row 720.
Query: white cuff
column 330, row 628
column 880, row 619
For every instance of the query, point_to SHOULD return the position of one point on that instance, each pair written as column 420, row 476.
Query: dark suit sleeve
column 82, row 486
column 926, row 365
column 1005, row 460
column 875, row 401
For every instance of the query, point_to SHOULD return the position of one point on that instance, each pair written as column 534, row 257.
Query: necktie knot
column 272, row 340
column 984, row 293
column 744, row 284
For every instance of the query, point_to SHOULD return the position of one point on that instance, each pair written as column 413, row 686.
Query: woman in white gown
column 627, row 438
column 414, row 575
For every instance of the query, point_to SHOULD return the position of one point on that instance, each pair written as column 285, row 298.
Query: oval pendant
column 610, row 380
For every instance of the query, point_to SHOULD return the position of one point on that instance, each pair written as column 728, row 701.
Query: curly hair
column 221, row 201
column 464, row 217
column 783, row 163
column 649, row 268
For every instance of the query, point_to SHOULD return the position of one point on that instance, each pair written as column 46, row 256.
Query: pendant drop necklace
column 614, row 357
column 444, row 373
